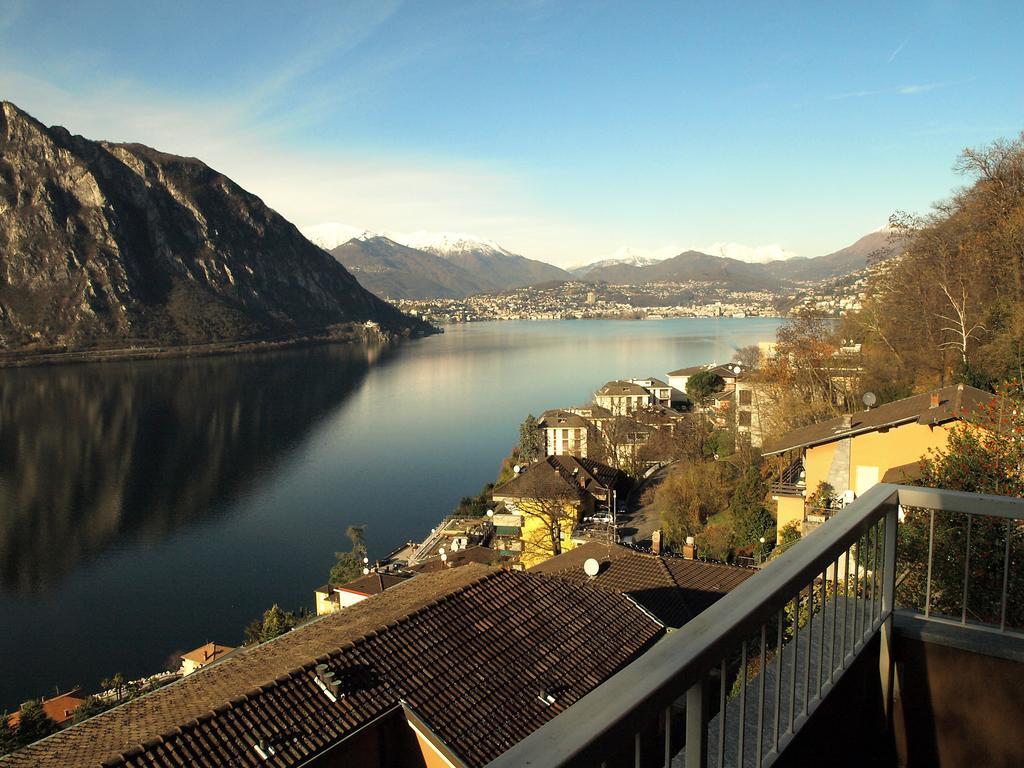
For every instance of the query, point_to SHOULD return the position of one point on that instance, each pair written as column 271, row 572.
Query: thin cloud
column 899, row 49
column 903, row 90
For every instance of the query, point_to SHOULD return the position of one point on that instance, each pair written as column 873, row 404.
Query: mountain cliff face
column 107, row 245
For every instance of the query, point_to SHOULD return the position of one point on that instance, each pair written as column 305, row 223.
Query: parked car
column 604, row 518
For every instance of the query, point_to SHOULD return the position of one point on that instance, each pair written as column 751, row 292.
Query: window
column 745, row 396
column 744, row 418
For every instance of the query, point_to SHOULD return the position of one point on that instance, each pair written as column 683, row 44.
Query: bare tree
column 548, row 523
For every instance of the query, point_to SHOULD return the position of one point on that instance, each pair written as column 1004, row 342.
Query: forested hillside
column 952, row 308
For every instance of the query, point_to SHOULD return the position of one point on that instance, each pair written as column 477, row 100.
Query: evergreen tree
column 349, row 565
column 274, row 622
column 701, row 386
column 34, row 724
column 8, row 736
column 750, row 516
column 91, row 707
column 530, row 448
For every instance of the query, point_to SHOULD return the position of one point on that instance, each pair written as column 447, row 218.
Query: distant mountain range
column 446, row 265
column 441, row 267
column 105, row 244
column 742, row 275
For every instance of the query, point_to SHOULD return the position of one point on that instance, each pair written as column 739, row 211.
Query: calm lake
column 148, row 507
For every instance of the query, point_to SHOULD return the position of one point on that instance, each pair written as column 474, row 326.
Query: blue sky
column 564, row 131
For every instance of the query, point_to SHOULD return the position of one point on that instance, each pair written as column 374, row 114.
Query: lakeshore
column 234, row 477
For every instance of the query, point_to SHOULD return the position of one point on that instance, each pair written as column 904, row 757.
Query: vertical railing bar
column 863, row 605
column 796, row 647
column 1006, row 578
column 874, row 571
column 810, row 639
column 742, row 740
column 696, row 729
column 763, row 673
column 780, row 621
column 846, row 608
column 668, row 737
column 883, row 574
column 636, row 750
column 856, row 594
column 721, row 719
column 967, row 568
column 931, row 559
column 835, row 611
column 821, row 644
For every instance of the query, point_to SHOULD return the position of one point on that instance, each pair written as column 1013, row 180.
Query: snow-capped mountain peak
column 627, row 256
column 448, row 243
column 332, row 234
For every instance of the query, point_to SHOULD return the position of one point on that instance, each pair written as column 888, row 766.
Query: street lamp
column 760, row 550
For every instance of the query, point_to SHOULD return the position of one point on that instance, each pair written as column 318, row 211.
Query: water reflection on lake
column 148, row 507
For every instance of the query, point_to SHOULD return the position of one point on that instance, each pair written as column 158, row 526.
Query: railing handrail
column 684, row 657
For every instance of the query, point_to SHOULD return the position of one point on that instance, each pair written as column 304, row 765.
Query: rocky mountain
column 486, row 260
column 110, row 245
column 396, row 271
column 876, row 245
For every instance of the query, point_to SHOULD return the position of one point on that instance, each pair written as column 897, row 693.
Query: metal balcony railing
column 736, row 684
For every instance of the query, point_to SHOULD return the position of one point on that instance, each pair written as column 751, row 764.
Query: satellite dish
column 490, row 513
column 591, row 567
column 517, row 469
column 366, row 571
column 366, row 561
column 440, row 550
column 444, row 557
column 869, row 399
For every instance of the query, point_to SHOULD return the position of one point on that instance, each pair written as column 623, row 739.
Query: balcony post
column 886, row 668
column 697, row 725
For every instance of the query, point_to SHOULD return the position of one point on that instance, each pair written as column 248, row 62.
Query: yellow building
column 551, row 497
column 854, row 452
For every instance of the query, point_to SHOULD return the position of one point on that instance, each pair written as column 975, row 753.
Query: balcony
column 892, row 636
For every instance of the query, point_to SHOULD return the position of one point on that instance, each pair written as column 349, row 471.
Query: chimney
column 690, row 549
column 934, row 403
column 656, row 542
column 848, row 421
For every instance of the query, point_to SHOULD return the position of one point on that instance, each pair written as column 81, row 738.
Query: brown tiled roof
column 954, row 402
column 704, row 583
column 206, row 654
column 543, row 480
column 725, row 370
column 560, row 477
column 562, row 419
column 473, row 665
column 60, row 708
column 673, row 589
column 590, row 473
column 196, row 695
column 373, row 583
column 688, row 371
column 622, row 389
